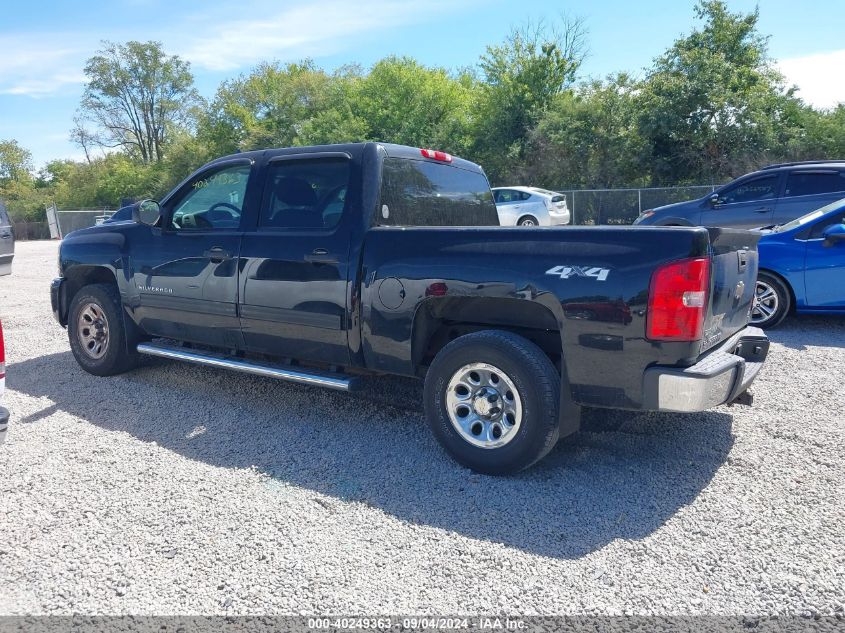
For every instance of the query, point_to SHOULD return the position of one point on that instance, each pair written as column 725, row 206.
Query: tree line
column 710, row 108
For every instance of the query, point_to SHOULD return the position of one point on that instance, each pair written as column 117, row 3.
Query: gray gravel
column 177, row 489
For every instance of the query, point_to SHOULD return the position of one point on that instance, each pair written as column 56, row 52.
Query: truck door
column 185, row 273
column 294, row 263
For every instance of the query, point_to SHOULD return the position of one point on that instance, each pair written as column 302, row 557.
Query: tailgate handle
column 742, row 258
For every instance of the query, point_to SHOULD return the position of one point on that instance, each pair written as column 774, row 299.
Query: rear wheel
column 492, row 400
column 97, row 333
column 772, row 301
column 528, row 220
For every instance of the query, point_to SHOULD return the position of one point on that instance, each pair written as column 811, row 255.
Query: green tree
column 135, row 97
column 15, row 163
column 17, row 186
column 521, row 78
column 817, row 134
column 713, row 103
column 268, row 108
column 404, row 102
column 590, row 138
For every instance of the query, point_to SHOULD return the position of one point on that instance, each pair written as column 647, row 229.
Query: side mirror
column 714, row 200
column 834, row 234
column 147, row 212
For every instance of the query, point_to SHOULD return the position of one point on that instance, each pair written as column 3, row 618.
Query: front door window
column 214, row 200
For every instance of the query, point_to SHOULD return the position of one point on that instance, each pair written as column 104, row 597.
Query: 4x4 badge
column 567, row 272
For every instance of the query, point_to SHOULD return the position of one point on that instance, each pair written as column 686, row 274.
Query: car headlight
column 643, row 216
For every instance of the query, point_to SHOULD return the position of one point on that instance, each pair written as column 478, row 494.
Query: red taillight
column 436, row 289
column 436, row 155
column 2, row 353
column 677, row 300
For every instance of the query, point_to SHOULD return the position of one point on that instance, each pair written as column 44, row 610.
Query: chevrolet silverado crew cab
column 323, row 264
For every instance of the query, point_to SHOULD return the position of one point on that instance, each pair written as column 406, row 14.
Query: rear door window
column 423, row 193
column 507, row 196
column 810, row 183
column 305, row 193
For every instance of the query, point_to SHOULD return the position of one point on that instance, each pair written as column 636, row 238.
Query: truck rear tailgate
column 734, row 275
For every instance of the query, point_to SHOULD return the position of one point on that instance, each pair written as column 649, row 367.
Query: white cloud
column 44, row 63
column 35, row 66
column 319, row 28
column 818, row 77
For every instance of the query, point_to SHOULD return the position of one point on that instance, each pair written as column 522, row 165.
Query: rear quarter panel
column 601, row 322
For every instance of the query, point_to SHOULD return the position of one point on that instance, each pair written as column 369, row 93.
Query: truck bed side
column 581, row 293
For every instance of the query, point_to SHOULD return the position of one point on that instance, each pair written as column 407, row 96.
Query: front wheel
column 97, row 333
column 492, row 400
column 772, row 301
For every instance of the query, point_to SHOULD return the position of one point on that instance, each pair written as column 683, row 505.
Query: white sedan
column 530, row 206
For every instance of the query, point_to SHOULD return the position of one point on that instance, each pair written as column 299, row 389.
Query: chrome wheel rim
column 93, row 330
column 528, row 222
column 766, row 303
column 484, row 405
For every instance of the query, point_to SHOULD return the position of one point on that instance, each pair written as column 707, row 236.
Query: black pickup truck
column 323, row 264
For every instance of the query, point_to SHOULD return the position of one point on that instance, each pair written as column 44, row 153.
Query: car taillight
column 677, row 300
column 2, row 353
column 436, row 155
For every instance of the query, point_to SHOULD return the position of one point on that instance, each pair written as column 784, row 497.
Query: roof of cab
column 355, row 150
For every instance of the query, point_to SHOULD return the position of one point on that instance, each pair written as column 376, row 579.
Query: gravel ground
column 177, row 489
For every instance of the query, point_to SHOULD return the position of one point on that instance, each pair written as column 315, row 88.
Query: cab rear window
column 424, row 193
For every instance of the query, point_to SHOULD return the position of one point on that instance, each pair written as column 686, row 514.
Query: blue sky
column 44, row 44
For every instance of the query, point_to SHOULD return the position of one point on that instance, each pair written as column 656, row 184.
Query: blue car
column 802, row 267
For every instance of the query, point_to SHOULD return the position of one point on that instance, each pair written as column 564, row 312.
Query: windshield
column 810, row 217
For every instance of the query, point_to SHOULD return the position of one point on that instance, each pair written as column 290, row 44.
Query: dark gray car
column 774, row 195
column 7, row 241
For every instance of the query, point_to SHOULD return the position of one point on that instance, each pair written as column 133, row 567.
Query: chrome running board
column 340, row 382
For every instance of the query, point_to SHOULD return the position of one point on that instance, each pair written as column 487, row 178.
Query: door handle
column 217, row 254
column 321, row 256
column 762, row 210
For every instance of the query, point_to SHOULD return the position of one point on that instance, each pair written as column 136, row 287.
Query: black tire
column 111, row 357
column 538, row 389
column 528, row 220
column 772, row 301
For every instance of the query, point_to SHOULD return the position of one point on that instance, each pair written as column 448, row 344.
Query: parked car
column 802, row 267
column 7, row 241
column 368, row 258
column 4, row 412
column 124, row 214
column 530, row 206
column 776, row 194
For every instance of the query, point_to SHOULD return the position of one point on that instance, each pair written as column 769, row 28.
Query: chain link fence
column 622, row 206
column 74, row 219
column 31, row 231
column 60, row 222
